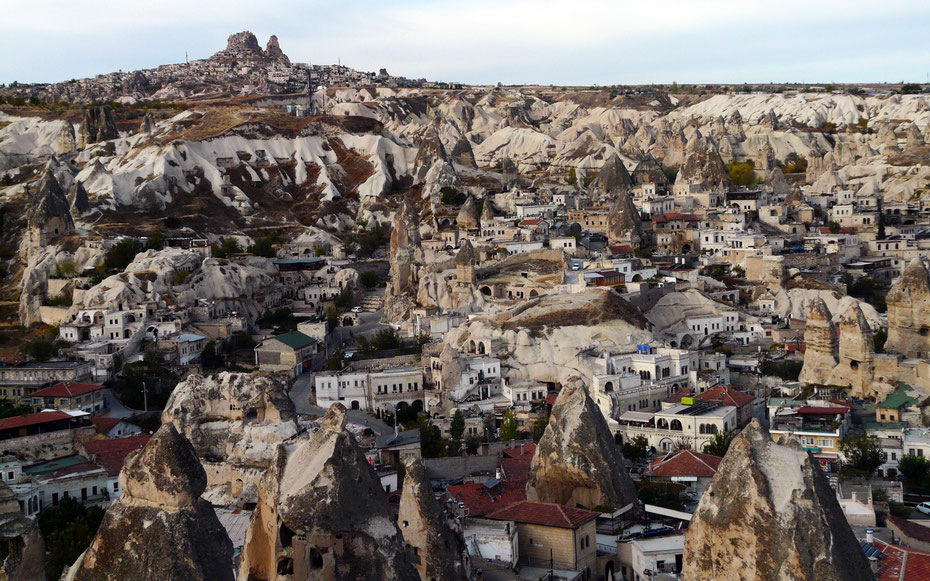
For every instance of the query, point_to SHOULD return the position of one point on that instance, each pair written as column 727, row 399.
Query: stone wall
column 47, row 446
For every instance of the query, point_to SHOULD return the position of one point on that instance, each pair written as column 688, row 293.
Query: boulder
column 323, row 514
column 770, row 514
column 159, row 529
column 430, row 529
column 577, row 462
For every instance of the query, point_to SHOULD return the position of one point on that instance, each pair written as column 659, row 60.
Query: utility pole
column 145, row 397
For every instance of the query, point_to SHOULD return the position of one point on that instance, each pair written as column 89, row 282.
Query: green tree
column 65, row 269
column 879, row 339
column 119, row 257
column 539, row 428
column 489, row 424
column 39, row 350
column 265, row 246
column 68, row 530
column 572, row 178
column 457, row 427
column 509, row 426
column 336, row 361
column 370, row 279
column 212, row 356
column 8, row 409
column 636, row 449
column 720, row 443
column 226, row 247
column 156, row 241
column 863, row 453
column 914, row 469
column 743, row 173
column 431, row 443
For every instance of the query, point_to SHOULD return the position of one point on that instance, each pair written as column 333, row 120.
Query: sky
column 579, row 42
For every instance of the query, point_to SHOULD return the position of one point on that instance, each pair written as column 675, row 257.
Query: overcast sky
column 579, row 42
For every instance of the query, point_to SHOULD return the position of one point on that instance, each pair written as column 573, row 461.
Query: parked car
column 924, row 507
column 356, row 309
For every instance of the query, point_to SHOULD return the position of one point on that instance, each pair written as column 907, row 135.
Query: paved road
column 115, row 408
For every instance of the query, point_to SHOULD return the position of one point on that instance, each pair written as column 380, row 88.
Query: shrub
column 121, row 255
column 370, row 279
column 743, row 173
column 226, row 247
column 181, row 276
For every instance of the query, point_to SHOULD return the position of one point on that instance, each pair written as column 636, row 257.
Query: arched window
column 675, row 425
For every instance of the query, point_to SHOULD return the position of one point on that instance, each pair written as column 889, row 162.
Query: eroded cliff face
column 909, row 312
column 406, row 259
column 577, row 462
column 159, row 529
column 324, row 515
column 769, row 514
column 430, row 530
column 235, row 421
column 822, row 343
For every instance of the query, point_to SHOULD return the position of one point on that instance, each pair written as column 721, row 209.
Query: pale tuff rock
column 769, row 514
column 159, row 529
column 77, row 198
column 794, row 197
column 430, row 530
column 887, row 137
column 909, row 312
column 914, row 138
column 468, row 215
column 406, row 260
column 67, row 141
column 22, row 548
column 766, row 158
column 704, row 165
column 487, row 212
column 324, row 515
column 462, row 153
column 577, row 462
column 820, row 336
column 856, row 355
column 623, row 222
column 148, row 124
column 235, row 421
column 49, row 209
column 273, row 51
column 98, row 125
column 430, row 153
column 613, row 177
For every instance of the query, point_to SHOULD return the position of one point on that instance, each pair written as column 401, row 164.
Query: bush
column 156, row 241
column 265, row 246
column 68, row 530
column 62, row 300
column 9, row 409
column 385, row 339
column 452, row 197
column 636, row 449
column 743, row 173
column 65, row 269
column 370, row 279
column 180, row 277
column 788, row 369
column 226, row 247
column 39, row 350
column 121, row 255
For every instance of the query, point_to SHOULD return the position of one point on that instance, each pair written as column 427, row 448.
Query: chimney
column 869, row 536
column 497, row 474
column 523, row 448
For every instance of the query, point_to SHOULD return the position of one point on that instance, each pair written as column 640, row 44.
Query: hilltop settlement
column 273, row 321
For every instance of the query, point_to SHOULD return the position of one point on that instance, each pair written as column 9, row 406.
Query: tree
column 39, row 350
column 119, row 257
column 431, row 442
column 863, row 454
column 879, row 339
column 336, row 361
column 370, row 279
column 457, row 427
column 636, row 449
column 8, row 409
column 509, row 426
column 720, row 443
column 156, row 241
column 914, row 469
column 265, row 246
column 212, row 357
column 68, row 530
column 226, row 247
column 539, row 428
column 743, row 173
column 490, row 427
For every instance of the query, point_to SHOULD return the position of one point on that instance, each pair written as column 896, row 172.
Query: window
column 825, row 443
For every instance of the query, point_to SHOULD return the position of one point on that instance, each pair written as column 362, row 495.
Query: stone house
column 86, row 397
column 290, row 352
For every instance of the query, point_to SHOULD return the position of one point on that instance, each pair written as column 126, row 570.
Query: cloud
column 484, row 41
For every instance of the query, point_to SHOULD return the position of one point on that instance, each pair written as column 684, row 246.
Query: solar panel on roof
column 491, row 482
column 870, row 551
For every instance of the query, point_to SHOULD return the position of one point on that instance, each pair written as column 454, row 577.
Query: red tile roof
column 902, row 563
column 618, row 249
column 530, row 222
column 32, row 419
column 481, row 500
column 685, row 463
column 517, row 466
column 843, row 230
column 545, row 514
column 67, row 389
column 669, row 216
column 911, row 529
column 82, row 468
column 111, row 454
column 104, row 425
